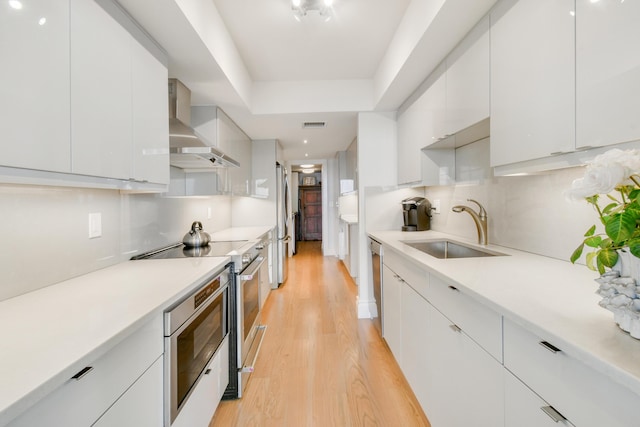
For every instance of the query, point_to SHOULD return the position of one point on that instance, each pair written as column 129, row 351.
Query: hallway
column 319, row 365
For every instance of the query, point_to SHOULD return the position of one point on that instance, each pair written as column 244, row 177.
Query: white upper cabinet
column 101, row 110
column 532, row 80
column 607, row 72
column 419, row 125
column 237, row 145
column 34, row 48
column 468, row 80
column 150, row 113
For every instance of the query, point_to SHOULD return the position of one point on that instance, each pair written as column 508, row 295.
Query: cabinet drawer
column 524, row 408
column 584, row 396
column 415, row 276
column 81, row 402
column 479, row 322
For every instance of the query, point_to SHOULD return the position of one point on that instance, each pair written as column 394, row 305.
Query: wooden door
column 311, row 212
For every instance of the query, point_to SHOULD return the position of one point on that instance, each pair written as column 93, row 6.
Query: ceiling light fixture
column 308, row 170
column 324, row 8
column 307, row 166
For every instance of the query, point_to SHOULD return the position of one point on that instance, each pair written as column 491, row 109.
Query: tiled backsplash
column 45, row 230
column 528, row 213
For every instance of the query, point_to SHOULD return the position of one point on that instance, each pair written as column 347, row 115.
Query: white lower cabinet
column 464, row 381
column 141, row 404
column 584, row 396
column 391, row 311
column 446, row 369
column 81, row 400
column 204, row 399
column 524, row 408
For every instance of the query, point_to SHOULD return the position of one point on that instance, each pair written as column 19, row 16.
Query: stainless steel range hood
column 187, row 149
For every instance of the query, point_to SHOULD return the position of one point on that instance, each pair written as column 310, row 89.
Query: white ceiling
column 270, row 73
column 276, row 47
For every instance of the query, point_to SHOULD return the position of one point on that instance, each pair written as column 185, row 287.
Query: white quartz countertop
column 50, row 334
column 241, row 233
column 552, row 298
column 349, row 219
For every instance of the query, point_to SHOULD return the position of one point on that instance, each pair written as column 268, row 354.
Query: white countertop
column 552, row 298
column 349, row 219
column 50, row 334
column 240, row 233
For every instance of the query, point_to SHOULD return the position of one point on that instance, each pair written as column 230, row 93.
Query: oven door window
column 197, row 343
column 251, row 303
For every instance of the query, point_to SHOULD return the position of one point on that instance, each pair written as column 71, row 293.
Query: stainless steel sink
column 445, row 249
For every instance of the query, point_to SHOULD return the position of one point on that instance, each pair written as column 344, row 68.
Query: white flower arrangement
column 614, row 174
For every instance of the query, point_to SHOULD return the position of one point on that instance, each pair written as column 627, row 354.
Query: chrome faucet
column 479, row 218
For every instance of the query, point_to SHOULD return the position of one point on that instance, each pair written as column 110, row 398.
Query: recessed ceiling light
column 305, row 141
column 15, row 4
column 306, row 154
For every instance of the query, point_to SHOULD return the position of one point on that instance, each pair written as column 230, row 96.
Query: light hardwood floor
column 319, row 364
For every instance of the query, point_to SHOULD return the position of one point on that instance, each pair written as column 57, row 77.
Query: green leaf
column 576, row 254
column 607, row 209
column 600, row 267
column 593, row 242
column 634, row 246
column 606, row 243
column 620, row 227
column 590, row 231
column 633, row 209
column 591, row 256
column 634, row 194
column 608, row 258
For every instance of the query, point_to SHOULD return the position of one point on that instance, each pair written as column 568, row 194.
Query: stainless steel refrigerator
column 282, row 229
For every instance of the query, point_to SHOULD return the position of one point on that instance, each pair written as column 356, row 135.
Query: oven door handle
column 252, row 269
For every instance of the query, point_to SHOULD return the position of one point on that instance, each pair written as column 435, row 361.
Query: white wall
column 45, row 230
column 377, row 159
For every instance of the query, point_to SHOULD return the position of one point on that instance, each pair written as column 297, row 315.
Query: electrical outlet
column 436, row 206
column 95, row 225
column 209, row 212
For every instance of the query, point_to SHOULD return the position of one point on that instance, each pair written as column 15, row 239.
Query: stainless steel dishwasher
column 376, row 270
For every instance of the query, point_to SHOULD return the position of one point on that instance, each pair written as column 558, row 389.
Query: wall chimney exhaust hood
column 187, row 149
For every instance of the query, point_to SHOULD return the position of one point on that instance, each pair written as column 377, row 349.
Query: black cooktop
column 179, row 250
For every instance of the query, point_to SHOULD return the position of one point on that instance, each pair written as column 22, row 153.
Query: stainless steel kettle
column 196, row 237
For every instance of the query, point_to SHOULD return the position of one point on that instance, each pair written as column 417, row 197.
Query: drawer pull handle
column 552, row 348
column 453, row 288
column 82, row 373
column 207, row 372
column 455, row 328
column 553, row 414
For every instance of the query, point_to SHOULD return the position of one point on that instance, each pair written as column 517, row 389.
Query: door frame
column 325, row 198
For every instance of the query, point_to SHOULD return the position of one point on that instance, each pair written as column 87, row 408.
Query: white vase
column 620, row 293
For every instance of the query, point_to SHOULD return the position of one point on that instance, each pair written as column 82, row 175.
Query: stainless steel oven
column 194, row 329
column 248, row 331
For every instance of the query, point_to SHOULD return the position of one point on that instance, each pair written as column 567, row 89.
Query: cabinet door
column 524, row 408
column 141, row 405
column 532, row 80
column 150, row 112
column 466, row 385
column 468, row 80
column 416, row 349
column 419, row 126
column 234, row 142
column 392, row 309
column 35, row 93
column 101, row 111
column 607, row 72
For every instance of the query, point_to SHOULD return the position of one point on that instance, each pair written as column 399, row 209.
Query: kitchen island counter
column 52, row 333
column 550, row 297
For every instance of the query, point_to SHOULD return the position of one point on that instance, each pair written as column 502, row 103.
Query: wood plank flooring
column 319, row 364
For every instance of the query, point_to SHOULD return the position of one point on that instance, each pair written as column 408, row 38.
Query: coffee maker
column 416, row 212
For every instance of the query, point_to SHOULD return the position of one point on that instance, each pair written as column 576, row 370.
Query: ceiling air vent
column 313, row 125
